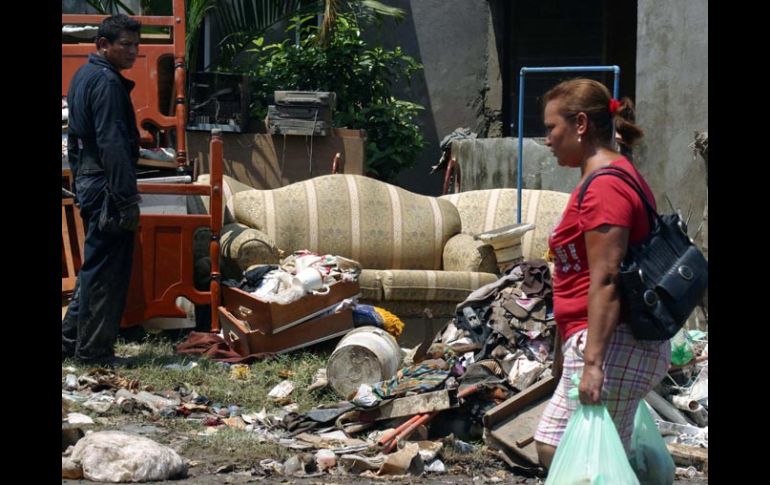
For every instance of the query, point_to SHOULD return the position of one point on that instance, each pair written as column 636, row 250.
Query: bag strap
column 628, row 179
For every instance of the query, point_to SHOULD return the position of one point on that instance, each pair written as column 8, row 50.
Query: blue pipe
column 524, row 70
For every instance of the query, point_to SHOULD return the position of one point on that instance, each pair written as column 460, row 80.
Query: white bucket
column 366, row 355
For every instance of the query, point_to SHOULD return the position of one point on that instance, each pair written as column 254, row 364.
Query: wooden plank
column 246, row 342
column 685, row 455
column 80, row 232
column 512, row 424
column 411, row 405
column 67, row 279
column 272, row 318
column 504, row 410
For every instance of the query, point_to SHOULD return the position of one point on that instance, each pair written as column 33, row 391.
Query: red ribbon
column 614, row 105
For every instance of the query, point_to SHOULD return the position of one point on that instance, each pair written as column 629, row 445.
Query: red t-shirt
column 608, row 200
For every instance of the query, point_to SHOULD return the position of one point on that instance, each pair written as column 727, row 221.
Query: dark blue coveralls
column 103, row 148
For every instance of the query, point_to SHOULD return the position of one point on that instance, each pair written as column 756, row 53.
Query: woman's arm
column 558, row 357
column 606, row 246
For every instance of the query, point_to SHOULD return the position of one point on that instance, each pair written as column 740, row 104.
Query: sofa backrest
column 484, row 210
column 198, row 204
column 377, row 224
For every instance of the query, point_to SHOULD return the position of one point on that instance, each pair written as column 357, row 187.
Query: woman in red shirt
column 588, row 245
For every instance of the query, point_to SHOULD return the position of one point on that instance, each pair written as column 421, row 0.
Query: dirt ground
column 216, row 466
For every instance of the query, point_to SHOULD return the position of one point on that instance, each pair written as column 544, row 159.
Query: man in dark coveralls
column 103, row 148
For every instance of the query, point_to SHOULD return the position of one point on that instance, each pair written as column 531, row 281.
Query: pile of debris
column 485, row 376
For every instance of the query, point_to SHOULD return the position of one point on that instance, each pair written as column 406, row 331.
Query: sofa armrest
column 464, row 253
column 245, row 246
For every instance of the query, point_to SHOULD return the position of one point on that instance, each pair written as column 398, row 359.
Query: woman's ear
column 581, row 123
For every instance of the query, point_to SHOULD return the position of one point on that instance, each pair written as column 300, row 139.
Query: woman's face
column 561, row 135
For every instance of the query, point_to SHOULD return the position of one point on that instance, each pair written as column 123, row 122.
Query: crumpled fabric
column 215, row 348
column 537, row 278
column 364, row 315
column 422, row 377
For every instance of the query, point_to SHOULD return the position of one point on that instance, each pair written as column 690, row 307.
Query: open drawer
column 274, row 318
column 248, row 341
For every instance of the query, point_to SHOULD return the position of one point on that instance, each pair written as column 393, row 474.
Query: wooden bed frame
column 163, row 255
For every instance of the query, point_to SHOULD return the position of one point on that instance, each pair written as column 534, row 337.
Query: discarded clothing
column 423, row 377
column 215, row 348
column 364, row 315
column 253, row 277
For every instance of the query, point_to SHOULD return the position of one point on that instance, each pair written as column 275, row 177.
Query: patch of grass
column 233, row 446
column 212, row 379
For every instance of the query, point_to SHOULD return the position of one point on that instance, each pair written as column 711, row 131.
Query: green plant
column 363, row 78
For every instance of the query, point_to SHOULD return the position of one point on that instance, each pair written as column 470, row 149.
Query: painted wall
column 672, row 100
column 460, row 85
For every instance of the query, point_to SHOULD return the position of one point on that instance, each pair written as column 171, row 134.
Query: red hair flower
column 614, row 105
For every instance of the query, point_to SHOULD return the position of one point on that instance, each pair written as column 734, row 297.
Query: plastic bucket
column 366, row 355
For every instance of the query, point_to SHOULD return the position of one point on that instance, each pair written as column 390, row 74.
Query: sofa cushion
column 465, row 253
column 484, row 210
column 429, row 285
column 377, row 224
column 247, row 246
column 371, row 287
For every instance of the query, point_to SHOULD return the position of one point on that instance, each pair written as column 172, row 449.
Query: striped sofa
column 416, row 250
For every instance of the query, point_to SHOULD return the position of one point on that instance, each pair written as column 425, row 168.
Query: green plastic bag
column 681, row 348
column 590, row 452
column 649, row 456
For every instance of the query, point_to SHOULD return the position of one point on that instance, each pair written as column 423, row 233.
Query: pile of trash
column 499, row 344
column 487, row 375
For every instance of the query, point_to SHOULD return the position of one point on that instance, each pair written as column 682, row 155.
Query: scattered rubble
column 485, row 377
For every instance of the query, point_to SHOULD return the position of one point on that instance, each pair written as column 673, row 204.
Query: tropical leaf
column 110, row 7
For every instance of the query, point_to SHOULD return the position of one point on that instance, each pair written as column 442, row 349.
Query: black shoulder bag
column 662, row 278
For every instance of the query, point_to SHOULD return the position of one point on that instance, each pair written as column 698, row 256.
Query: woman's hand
column 590, row 389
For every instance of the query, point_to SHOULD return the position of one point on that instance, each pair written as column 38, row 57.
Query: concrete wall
column 460, row 85
column 672, row 100
column 490, row 163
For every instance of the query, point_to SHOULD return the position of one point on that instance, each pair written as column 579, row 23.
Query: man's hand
column 590, row 389
column 129, row 218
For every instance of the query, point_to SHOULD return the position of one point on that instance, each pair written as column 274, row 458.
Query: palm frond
column 110, row 7
column 382, row 9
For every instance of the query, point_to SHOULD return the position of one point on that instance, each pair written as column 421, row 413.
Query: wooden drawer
column 273, row 318
column 246, row 341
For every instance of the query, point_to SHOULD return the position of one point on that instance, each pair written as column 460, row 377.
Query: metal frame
column 522, row 73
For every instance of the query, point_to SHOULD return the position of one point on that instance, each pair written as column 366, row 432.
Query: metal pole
column 522, row 73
